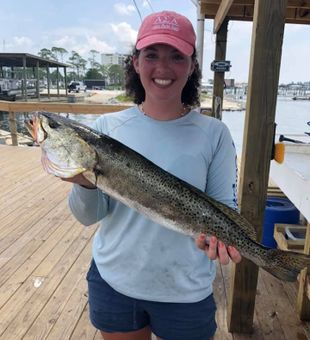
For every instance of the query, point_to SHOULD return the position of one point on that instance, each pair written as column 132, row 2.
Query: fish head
column 65, row 150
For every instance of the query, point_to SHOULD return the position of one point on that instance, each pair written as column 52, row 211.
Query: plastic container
column 277, row 210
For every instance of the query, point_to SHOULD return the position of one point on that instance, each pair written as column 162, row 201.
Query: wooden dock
column 45, row 254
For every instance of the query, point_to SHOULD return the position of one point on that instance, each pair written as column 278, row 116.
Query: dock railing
column 14, row 108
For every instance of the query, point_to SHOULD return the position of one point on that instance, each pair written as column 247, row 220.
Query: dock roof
column 297, row 11
column 16, row 60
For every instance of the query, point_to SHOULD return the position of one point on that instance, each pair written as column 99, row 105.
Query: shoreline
column 110, row 97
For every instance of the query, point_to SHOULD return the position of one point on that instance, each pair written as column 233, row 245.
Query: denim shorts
column 111, row 312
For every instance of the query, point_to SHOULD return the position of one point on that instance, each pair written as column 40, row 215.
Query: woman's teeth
column 163, row 81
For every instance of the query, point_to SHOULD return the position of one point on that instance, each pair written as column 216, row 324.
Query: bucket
column 277, row 210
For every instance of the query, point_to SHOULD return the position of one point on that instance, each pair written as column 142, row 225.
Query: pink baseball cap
column 169, row 28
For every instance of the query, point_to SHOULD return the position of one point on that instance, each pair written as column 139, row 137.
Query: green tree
column 92, row 59
column 59, row 53
column 78, row 63
column 116, row 75
column 46, row 54
column 93, row 73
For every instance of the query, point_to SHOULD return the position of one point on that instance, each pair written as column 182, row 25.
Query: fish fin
column 234, row 215
column 287, row 264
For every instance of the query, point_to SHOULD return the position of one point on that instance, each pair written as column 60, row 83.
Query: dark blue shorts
column 111, row 312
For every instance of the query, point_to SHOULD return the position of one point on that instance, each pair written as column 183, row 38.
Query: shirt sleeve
column 222, row 173
column 89, row 205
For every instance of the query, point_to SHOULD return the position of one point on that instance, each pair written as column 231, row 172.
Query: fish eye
column 53, row 125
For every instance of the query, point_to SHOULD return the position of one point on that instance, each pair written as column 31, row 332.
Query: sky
column 111, row 27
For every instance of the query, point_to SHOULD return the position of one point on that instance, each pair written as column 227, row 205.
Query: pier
column 45, row 254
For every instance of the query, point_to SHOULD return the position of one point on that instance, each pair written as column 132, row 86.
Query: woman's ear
column 192, row 69
column 135, row 63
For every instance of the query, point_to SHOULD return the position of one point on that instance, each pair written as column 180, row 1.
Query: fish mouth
column 35, row 128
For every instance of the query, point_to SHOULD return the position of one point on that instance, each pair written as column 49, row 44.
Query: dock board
column 45, row 254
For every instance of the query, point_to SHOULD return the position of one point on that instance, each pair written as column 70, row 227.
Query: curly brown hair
column 134, row 88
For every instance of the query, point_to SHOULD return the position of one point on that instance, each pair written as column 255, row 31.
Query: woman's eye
column 178, row 57
column 151, row 56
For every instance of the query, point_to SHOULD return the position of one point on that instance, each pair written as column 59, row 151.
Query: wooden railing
column 14, row 108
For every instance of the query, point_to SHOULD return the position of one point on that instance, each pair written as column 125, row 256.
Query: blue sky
column 111, row 26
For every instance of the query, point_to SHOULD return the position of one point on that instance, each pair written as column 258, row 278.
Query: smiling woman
column 145, row 278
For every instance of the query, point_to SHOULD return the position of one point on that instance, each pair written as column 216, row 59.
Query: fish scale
column 70, row 148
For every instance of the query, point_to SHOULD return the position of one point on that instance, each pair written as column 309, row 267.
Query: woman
column 145, row 278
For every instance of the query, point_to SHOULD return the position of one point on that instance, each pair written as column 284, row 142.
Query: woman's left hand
column 217, row 249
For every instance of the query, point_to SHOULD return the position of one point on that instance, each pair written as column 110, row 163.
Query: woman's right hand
column 81, row 180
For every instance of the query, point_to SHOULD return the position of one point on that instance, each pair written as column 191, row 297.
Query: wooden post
column 38, row 80
column 303, row 303
column 13, row 128
column 48, row 82
column 25, row 95
column 66, row 83
column 57, row 80
column 267, row 38
column 219, row 77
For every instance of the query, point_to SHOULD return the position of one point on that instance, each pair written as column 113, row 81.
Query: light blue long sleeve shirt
column 136, row 256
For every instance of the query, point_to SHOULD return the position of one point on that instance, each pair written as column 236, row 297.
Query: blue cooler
column 277, row 210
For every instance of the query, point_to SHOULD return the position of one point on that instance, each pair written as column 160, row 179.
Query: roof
column 16, row 60
column 297, row 12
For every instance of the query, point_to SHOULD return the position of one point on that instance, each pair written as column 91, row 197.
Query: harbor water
column 291, row 118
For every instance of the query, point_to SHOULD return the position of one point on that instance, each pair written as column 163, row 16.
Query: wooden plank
column 220, row 296
column 14, row 224
column 62, row 312
column 275, row 291
column 84, row 329
column 290, row 3
column 267, row 37
column 283, row 242
column 60, row 107
column 221, row 14
column 8, row 286
column 219, row 77
column 245, row 13
column 14, row 326
column 303, row 302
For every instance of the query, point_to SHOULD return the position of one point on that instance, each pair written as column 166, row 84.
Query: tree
column 46, row 54
column 93, row 73
column 59, row 52
column 92, row 59
column 116, row 75
column 78, row 63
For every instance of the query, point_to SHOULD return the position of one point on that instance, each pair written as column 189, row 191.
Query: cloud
column 125, row 33
column 18, row 44
column 123, row 9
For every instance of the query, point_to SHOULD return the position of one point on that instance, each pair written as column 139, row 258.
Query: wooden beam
column 221, row 14
column 290, row 3
column 219, row 78
column 267, row 39
column 294, row 15
column 59, row 107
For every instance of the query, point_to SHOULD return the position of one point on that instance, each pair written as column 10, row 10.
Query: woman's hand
column 217, row 249
column 81, row 180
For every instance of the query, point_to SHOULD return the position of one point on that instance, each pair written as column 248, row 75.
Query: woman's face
column 163, row 71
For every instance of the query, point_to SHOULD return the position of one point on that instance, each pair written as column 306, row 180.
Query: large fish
column 70, row 148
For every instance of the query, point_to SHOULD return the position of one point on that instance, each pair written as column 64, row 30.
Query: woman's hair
column 134, row 88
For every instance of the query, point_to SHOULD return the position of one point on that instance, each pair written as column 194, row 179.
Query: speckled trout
column 70, row 148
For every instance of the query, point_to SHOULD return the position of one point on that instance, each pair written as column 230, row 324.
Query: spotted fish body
column 69, row 148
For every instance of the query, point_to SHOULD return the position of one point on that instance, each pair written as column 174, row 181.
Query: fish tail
column 286, row 264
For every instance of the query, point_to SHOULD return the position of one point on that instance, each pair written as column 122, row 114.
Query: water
column 291, row 118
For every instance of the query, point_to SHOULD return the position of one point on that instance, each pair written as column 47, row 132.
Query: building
column 113, row 58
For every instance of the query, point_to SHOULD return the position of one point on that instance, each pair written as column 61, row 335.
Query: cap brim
column 179, row 44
